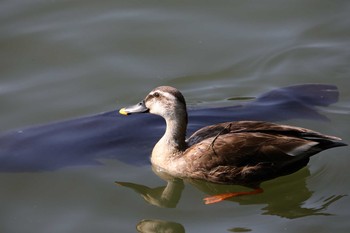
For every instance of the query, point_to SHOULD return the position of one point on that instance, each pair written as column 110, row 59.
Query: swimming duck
column 242, row 152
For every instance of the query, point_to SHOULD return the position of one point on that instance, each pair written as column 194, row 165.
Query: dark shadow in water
column 284, row 197
column 86, row 140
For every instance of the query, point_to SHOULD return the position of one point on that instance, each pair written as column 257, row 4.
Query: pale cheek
column 156, row 109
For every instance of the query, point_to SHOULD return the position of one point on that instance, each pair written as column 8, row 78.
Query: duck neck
column 175, row 134
column 173, row 141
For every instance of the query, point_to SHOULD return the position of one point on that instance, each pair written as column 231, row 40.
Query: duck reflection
column 165, row 196
column 159, row 226
column 284, row 197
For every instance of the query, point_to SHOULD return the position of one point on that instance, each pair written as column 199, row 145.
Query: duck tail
column 324, row 141
column 327, row 142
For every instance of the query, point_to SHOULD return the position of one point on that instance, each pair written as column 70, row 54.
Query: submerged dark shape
column 87, row 140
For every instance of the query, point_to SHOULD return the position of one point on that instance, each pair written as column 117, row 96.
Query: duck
column 243, row 153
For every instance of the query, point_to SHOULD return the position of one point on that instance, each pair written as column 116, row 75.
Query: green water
column 65, row 59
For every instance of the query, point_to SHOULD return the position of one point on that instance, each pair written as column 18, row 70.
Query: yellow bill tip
column 123, row 112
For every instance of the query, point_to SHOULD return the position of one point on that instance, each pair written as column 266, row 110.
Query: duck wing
column 259, row 127
column 250, row 151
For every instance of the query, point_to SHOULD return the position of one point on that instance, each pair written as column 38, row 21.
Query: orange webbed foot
column 224, row 196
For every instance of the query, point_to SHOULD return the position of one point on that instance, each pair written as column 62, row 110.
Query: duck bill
column 137, row 108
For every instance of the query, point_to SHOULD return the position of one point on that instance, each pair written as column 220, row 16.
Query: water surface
column 63, row 59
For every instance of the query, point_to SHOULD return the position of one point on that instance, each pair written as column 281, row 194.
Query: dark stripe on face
column 173, row 91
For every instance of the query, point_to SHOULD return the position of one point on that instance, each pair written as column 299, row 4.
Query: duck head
column 164, row 101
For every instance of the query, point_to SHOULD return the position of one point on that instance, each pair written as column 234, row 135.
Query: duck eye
column 156, row 94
